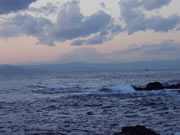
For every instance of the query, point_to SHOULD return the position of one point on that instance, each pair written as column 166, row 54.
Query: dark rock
column 154, row 86
column 137, row 130
column 151, row 86
column 157, row 86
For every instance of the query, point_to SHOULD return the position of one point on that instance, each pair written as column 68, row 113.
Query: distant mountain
column 19, row 68
column 96, row 67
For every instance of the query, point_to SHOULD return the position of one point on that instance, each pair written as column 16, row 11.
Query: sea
column 73, row 103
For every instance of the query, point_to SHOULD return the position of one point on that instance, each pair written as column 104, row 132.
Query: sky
column 96, row 31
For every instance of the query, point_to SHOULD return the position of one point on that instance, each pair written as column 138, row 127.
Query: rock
column 154, row 86
column 157, row 86
column 137, row 130
column 151, row 86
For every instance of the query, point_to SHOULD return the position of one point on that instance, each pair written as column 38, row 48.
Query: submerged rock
column 136, row 130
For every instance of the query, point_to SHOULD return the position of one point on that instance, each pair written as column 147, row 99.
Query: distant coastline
column 94, row 67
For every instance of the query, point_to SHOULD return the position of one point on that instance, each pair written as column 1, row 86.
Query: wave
column 119, row 88
column 124, row 89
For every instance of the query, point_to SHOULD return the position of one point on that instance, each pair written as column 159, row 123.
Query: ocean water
column 73, row 103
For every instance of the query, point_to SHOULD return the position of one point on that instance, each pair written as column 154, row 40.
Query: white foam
column 89, row 89
column 121, row 88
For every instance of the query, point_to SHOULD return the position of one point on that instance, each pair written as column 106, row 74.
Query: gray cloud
column 178, row 29
column 168, row 49
column 136, row 20
column 94, row 29
column 103, row 5
column 165, row 50
column 71, row 24
column 7, row 6
column 27, row 25
column 49, row 8
column 153, row 4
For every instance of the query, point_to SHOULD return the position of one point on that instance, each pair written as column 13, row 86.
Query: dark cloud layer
column 7, row 6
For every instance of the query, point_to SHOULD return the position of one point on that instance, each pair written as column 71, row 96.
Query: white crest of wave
column 122, row 88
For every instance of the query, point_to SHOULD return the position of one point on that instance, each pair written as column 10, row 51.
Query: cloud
column 85, row 55
column 166, row 50
column 103, row 5
column 27, row 25
column 178, row 29
column 136, row 20
column 71, row 25
column 94, row 29
column 49, row 8
column 153, row 4
column 7, row 6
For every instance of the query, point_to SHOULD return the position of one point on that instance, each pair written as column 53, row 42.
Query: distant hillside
column 20, row 68
column 96, row 67
column 85, row 67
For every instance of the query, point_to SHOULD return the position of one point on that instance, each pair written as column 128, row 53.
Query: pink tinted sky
column 23, row 48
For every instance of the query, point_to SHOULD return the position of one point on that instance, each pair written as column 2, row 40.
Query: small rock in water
column 137, row 130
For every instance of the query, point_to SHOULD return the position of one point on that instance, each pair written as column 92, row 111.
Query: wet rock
column 136, row 130
column 154, row 86
column 158, row 86
column 151, row 86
